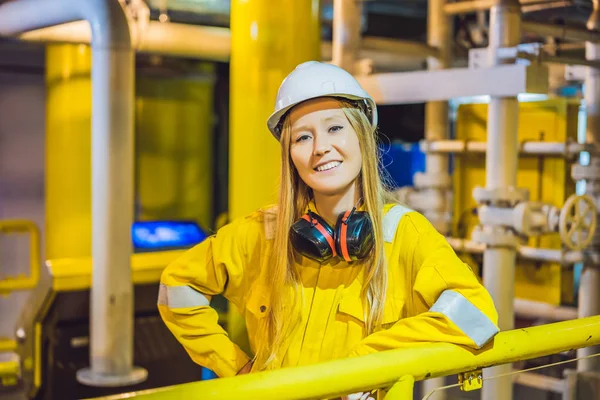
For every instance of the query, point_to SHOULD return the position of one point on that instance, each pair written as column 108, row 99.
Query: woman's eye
column 302, row 138
column 335, row 128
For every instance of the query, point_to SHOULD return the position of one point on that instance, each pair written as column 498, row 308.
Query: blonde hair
column 294, row 196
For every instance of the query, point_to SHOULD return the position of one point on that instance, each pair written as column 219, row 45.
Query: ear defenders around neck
column 352, row 237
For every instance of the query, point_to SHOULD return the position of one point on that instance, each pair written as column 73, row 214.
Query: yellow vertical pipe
column 68, row 157
column 268, row 39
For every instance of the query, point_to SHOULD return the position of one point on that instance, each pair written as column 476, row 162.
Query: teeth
column 327, row 166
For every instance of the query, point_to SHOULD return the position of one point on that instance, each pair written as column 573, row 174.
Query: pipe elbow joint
column 108, row 23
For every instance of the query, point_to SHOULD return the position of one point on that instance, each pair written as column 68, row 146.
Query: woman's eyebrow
column 300, row 128
column 309, row 128
column 332, row 118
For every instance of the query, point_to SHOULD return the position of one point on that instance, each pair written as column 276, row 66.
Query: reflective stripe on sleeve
column 469, row 319
column 181, row 297
column 391, row 220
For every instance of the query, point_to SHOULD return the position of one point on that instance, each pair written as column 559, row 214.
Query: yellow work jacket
column 432, row 296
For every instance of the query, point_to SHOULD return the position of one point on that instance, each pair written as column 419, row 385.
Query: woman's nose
column 321, row 145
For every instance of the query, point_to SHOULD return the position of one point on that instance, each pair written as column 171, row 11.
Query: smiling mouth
column 328, row 166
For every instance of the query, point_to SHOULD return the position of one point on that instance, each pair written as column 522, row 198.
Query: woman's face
column 324, row 146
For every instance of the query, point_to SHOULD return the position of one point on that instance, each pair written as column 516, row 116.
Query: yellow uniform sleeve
column 449, row 303
column 212, row 267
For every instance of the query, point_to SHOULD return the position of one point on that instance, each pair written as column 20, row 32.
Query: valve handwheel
column 577, row 222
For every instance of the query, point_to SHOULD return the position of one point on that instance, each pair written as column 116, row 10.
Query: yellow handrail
column 402, row 390
column 384, row 369
column 7, row 345
column 9, row 284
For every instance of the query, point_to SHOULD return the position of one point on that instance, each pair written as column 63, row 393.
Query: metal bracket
column 472, row 380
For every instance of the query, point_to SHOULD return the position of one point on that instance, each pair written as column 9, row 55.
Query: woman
column 336, row 269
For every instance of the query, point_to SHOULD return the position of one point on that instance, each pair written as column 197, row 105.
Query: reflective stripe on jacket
column 432, row 296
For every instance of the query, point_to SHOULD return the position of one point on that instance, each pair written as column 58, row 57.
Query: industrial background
column 489, row 126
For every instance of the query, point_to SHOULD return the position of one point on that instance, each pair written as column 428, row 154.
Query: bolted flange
column 587, row 172
column 496, row 236
column 508, row 196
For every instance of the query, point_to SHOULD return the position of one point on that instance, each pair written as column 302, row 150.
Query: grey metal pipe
column 346, row 33
column 593, row 23
column 406, row 47
column 525, row 148
column 169, row 39
column 21, row 16
column 111, row 313
column 469, row 6
column 214, row 43
column 560, row 31
column 589, row 305
column 589, row 295
column 464, row 7
column 526, row 252
column 436, row 128
column 547, row 58
column 501, row 172
column 538, row 310
column 436, row 113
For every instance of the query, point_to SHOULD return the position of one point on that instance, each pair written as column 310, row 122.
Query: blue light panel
column 155, row 235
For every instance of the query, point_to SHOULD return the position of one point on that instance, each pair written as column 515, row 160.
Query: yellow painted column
column 68, row 231
column 269, row 38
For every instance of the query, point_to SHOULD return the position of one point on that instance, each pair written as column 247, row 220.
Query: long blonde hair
column 294, row 196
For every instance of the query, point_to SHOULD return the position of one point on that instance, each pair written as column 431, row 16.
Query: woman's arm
column 213, row 267
column 450, row 304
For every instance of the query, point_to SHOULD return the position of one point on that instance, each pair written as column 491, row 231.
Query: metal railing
column 396, row 370
column 22, row 282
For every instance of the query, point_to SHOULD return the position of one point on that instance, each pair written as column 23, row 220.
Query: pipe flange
column 507, row 196
column 432, row 181
column 588, row 172
column 495, row 236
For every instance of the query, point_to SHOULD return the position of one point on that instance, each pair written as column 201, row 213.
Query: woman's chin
column 330, row 190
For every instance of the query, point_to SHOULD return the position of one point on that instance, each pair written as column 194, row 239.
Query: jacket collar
column 312, row 206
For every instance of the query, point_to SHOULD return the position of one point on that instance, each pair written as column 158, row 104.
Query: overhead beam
column 424, row 86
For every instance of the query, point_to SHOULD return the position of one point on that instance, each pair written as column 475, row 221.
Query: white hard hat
column 313, row 79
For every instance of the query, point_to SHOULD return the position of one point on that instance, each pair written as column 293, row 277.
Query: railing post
column 402, row 390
